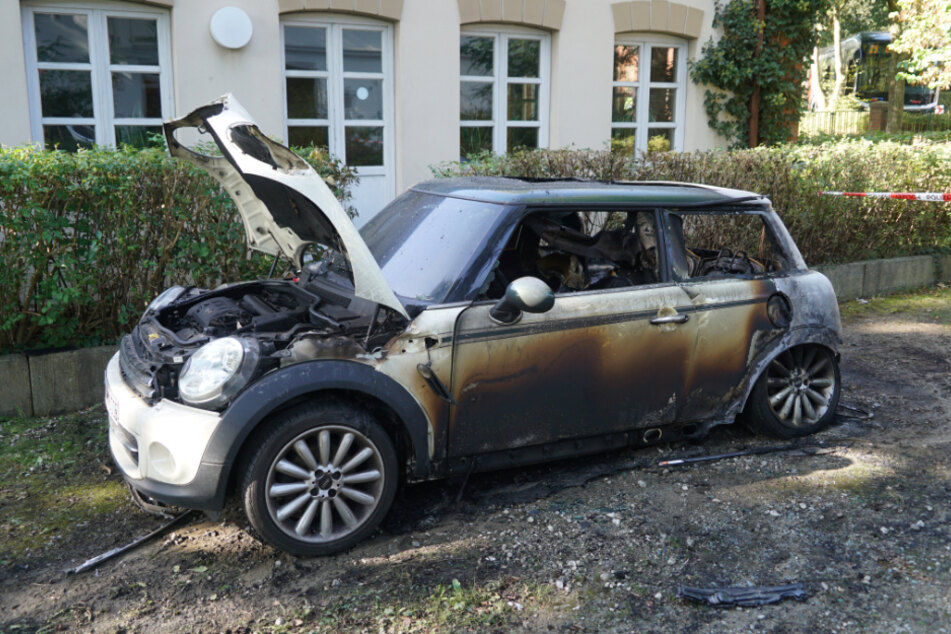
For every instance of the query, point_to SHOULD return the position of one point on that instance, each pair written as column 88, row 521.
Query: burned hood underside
column 284, row 204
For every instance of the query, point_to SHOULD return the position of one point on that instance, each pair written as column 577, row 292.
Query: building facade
column 390, row 86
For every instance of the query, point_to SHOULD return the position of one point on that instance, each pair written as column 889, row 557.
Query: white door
column 338, row 93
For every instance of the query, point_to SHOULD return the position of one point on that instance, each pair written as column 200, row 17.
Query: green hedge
column 827, row 229
column 87, row 239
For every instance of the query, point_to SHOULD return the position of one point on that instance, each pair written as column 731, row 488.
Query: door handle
column 679, row 318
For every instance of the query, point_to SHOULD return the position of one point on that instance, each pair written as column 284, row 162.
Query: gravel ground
column 860, row 518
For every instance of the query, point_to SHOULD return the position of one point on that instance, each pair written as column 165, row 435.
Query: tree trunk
column 896, row 87
column 754, row 99
column 836, row 58
column 817, row 97
column 896, row 96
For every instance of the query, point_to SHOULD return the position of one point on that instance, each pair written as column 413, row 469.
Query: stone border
column 658, row 16
column 53, row 383
column 59, row 382
column 546, row 14
column 878, row 277
column 387, row 9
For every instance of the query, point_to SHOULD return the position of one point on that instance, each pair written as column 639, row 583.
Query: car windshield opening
column 425, row 243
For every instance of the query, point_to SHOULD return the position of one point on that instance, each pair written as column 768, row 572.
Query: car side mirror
column 526, row 294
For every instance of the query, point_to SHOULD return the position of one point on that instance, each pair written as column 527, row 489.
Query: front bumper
column 159, row 448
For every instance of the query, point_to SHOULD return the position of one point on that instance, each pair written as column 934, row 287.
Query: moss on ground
column 931, row 304
column 56, row 477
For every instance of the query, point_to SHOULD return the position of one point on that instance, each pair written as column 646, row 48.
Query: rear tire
column 321, row 481
column 797, row 394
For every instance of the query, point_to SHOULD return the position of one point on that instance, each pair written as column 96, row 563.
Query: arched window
column 338, row 93
column 96, row 75
column 504, row 89
column 647, row 105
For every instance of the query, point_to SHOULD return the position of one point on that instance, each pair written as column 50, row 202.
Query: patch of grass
column 493, row 605
column 56, row 475
column 928, row 304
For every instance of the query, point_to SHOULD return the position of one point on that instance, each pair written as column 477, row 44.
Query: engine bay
column 291, row 320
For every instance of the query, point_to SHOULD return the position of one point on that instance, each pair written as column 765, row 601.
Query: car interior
column 580, row 250
column 716, row 245
column 575, row 251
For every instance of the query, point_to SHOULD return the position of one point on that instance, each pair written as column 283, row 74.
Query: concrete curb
column 59, row 382
column 53, row 383
column 877, row 277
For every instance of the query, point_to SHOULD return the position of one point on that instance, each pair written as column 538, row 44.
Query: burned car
column 473, row 324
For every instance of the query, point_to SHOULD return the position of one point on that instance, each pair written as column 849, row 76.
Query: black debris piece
column 742, row 596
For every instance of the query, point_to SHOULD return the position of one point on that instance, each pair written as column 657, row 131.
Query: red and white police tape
column 935, row 197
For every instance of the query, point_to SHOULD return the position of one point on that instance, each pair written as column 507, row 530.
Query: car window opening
column 580, row 251
column 715, row 245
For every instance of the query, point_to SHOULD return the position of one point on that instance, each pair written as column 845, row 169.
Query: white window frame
column 97, row 15
column 336, row 122
column 643, row 86
column 500, row 82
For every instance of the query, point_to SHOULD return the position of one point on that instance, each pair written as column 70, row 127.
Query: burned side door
column 597, row 362
column 724, row 260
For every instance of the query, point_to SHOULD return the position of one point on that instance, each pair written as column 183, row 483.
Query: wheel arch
column 812, row 335
column 395, row 409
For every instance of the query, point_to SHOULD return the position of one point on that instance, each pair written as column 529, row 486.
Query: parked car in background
column 473, row 324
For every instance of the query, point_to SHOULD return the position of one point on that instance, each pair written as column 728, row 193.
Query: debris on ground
column 741, row 596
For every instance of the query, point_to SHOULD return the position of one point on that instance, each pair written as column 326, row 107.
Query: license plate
column 112, row 408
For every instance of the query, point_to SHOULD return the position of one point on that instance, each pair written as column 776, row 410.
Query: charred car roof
column 549, row 192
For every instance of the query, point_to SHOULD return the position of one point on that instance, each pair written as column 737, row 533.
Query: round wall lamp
column 231, row 27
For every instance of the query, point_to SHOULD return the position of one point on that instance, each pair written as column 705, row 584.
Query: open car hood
column 284, row 203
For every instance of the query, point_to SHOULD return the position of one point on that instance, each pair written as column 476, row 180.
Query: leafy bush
column 827, row 229
column 87, row 239
column 757, row 55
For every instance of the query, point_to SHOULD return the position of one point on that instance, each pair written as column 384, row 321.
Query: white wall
column 204, row 70
column 582, row 59
column 427, row 89
column 426, row 75
column 14, row 105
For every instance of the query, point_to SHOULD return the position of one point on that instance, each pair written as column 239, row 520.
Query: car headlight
column 217, row 371
column 166, row 297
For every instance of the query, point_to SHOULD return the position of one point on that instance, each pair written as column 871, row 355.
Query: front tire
column 321, row 481
column 797, row 394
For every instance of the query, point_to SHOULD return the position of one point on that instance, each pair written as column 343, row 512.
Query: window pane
column 306, row 98
column 61, row 38
column 305, row 48
column 474, row 140
column 524, row 58
column 523, row 102
column 663, row 64
column 622, row 140
column 364, row 146
column 522, row 138
column 65, row 93
column 133, row 41
column 475, row 101
column 624, row 103
column 476, row 55
column 625, row 62
column 660, row 139
column 363, row 98
column 137, row 135
column 69, row 137
column 136, row 95
column 661, row 106
column 362, row 51
column 307, row 136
